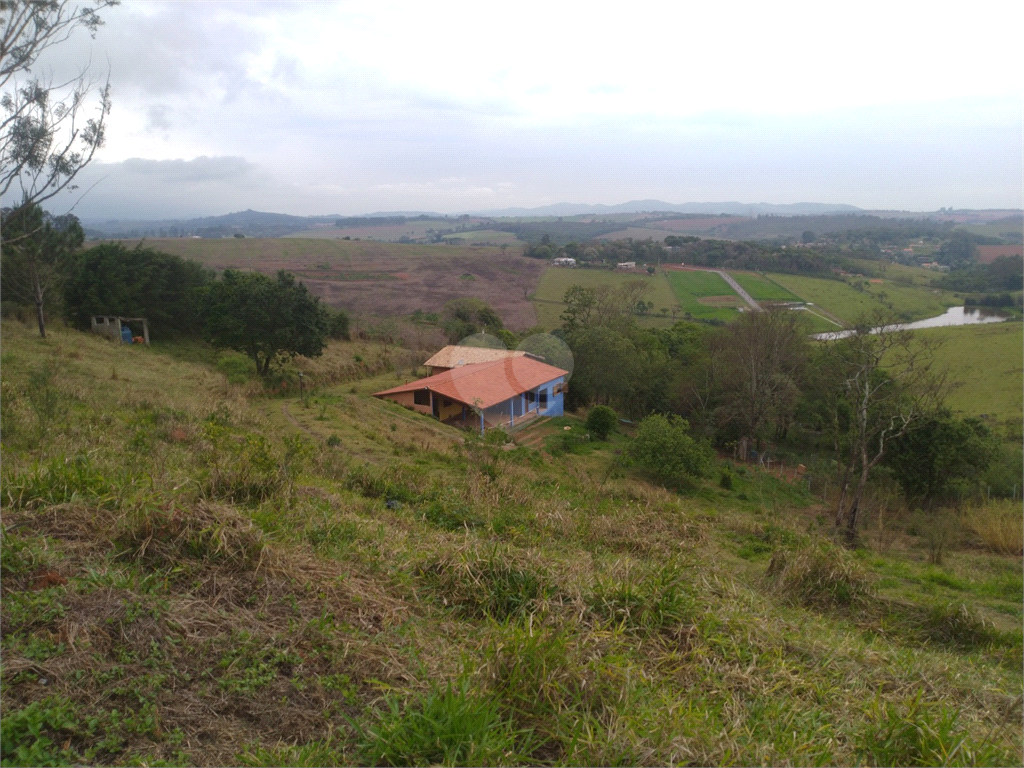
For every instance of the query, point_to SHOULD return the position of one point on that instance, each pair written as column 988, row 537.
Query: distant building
column 564, row 261
column 626, row 265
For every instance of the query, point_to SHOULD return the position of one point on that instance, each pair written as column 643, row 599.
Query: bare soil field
column 387, row 279
column 989, row 253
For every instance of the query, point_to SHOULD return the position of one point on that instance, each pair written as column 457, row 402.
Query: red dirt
column 989, row 253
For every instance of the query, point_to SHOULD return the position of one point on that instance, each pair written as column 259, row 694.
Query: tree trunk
column 40, row 317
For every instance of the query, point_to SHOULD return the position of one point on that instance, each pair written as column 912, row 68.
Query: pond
column 952, row 316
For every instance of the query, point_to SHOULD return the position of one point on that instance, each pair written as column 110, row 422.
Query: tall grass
column 999, row 524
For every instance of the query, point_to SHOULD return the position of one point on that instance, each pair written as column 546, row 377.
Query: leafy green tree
column 464, row 317
column 265, row 318
column 942, row 459
column 601, row 421
column 663, row 446
column 35, row 248
column 337, row 324
column 110, row 279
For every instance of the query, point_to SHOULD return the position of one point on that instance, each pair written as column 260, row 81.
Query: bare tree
column 881, row 382
column 48, row 131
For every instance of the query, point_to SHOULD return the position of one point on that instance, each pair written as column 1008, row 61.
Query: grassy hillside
column 202, row 573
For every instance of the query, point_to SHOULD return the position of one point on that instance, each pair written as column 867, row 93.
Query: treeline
column 723, row 254
column 267, row 318
column 871, row 402
column 1005, row 274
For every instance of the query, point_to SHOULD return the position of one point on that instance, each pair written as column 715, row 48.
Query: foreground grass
column 197, row 573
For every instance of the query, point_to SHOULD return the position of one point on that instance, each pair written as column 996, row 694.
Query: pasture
column 847, row 303
column 555, row 281
column 986, row 362
column 761, row 288
column 380, row 279
column 416, row 229
column 704, row 295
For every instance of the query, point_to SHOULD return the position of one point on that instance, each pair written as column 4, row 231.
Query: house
column 626, row 265
column 455, row 355
column 497, row 393
column 564, row 261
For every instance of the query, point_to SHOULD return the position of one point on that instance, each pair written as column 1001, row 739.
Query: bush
column 601, row 421
column 664, row 447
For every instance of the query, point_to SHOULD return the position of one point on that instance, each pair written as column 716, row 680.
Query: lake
column 952, row 316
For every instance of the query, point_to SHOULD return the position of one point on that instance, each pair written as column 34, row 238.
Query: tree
column 942, row 459
column 877, row 384
column 464, row 317
column 664, row 447
column 601, row 421
column 763, row 355
column 110, row 279
column 264, row 318
column 46, row 132
column 36, row 245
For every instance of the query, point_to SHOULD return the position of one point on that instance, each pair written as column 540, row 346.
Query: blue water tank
column 126, row 334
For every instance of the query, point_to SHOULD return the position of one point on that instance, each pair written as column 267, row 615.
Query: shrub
column 663, row 446
column 821, row 574
column 601, row 421
column 725, row 479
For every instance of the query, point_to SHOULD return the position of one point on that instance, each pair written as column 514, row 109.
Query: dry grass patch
column 999, row 524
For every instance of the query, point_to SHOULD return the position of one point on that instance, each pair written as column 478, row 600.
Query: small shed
column 113, row 327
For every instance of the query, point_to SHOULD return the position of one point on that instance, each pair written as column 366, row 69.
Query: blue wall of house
column 555, row 402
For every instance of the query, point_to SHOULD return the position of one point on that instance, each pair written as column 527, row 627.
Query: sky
column 321, row 108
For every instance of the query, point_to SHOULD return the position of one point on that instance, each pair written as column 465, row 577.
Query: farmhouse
column 455, row 355
column 564, row 261
column 497, row 393
column 626, row 265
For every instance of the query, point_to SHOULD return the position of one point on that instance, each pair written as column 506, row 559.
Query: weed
column 644, row 604
column 921, row 733
column 311, row 755
column 820, row 574
column 451, row 515
column 492, row 584
column 63, row 480
column 445, row 726
column 163, row 536
column 32, row 735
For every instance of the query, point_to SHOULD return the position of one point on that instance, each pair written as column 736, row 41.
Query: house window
column 543, row 400
column 421, row 397
column 531, row 397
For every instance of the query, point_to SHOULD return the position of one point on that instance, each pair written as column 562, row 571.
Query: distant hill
column 249, row 223
column 639, row 206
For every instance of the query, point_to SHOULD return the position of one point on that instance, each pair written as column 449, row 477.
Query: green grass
column 555, row 281
column 689, row 287
column 842, row 300
column 762, row 288
column 986, row 362
column 193, row 575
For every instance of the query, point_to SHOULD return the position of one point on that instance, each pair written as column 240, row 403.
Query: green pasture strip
column 986, row 364
column 690, row 286
column 555, row 281
column 848, row 304
column 761, row 288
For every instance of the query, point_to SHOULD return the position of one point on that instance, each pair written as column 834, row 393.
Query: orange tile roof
column 455, row 355
column 485, row 384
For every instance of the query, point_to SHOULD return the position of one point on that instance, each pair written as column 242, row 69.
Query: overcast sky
column 356, row 107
